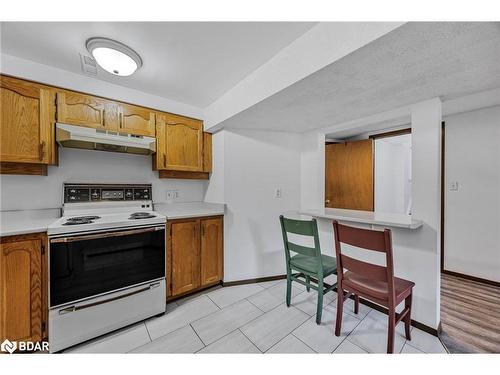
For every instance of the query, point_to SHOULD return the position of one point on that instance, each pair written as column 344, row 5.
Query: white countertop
column 366, row 217
column 37, row 221
column 189, row 209
column 27, row 221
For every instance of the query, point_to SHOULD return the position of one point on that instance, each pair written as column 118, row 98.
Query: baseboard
column 253, row 281
column 414, row 323
column 471, row 278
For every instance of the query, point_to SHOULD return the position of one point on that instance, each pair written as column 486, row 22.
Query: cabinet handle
column 164, row 160
column 42, row 150
column 103, row 117
column 121, row 120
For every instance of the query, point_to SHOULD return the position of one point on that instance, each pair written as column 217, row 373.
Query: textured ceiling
column 415, row 62
column 191, row 62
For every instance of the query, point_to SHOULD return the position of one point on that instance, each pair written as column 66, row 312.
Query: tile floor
column 253, row 318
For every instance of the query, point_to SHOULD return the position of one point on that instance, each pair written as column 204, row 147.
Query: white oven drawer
column 77, row 322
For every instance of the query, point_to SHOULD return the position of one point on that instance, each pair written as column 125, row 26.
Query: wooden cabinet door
column 185, row 256
column 160, row 158
column 26, row 122
column 211, row 250
column 85, row 110
column 183, row 143
column 21, row 290
column 349, row 175
column 207, row 152
column 136, row 120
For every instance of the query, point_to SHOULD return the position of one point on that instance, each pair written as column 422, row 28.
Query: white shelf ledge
column 365, row 217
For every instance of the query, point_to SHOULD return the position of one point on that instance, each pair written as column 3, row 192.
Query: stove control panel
column 77, row 193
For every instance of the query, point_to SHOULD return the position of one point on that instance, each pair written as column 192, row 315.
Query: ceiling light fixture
column 114, row 57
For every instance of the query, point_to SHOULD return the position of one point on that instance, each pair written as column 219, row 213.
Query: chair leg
column 319, row 309
column 391, row 331
column 288, row 289
column 340, row 308
column 356, row 304
column 308, row 281
column 408, row 317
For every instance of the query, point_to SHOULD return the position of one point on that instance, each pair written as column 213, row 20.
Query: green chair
column 308, row 262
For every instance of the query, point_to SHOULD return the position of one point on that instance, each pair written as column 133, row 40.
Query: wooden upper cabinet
column 207, row 152
column 26, row 122
column 137, row 120
column 86, row 110
column 211, row 250
column 185, row 258
column 180, row 143
column 21, row 290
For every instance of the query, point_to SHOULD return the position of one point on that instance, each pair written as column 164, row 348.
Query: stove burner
column 141, row 215
column 77, row 220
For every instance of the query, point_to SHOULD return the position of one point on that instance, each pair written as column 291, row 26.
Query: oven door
column 83, row 266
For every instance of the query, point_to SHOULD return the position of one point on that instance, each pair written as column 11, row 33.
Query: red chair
column 372, row 282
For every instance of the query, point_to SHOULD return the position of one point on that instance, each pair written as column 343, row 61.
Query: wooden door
column 136, row 120
column 211, row 253
column 183, row 143
column 26, row 122
column 185, row 256
column 21, row 290
column 86, row 110
column 349, row 175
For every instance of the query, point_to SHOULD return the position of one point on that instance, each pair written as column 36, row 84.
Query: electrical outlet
column 170, row 195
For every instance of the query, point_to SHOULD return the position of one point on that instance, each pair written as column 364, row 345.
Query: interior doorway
column 370, row 172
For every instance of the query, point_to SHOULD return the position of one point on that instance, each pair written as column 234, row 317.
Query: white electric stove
column 107, row 262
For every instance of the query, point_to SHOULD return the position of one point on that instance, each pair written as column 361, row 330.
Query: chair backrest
column 304, row 228
column 371, row 240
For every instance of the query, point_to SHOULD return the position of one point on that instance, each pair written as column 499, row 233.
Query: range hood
column 103, row 140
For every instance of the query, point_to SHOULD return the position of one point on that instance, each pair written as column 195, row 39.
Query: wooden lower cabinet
column 23, row 291
column 211, row 251
column 194, row 254
column 185, row 259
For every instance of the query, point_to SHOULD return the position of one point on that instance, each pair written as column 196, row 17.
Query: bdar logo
column 8, row 346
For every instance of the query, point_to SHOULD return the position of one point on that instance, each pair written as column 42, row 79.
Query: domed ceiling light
column 114, row 57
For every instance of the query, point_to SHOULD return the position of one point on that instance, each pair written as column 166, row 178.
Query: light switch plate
column 454, row 186
column 277, row 193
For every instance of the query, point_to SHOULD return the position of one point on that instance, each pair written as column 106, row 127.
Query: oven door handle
column 104, row 235
column 74, row 308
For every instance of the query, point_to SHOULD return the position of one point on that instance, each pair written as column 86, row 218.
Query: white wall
column 34, row 192
column 416, row 252
column 472, row 213
column 393, row 174
column 255, row 164
column 312, row 170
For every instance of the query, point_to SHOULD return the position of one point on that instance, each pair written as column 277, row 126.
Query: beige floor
column 253, row 318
